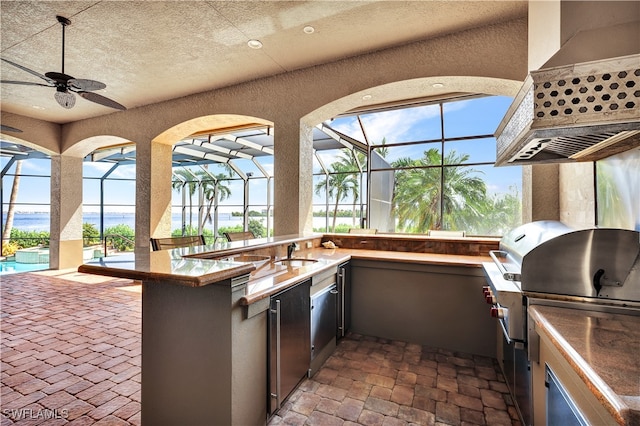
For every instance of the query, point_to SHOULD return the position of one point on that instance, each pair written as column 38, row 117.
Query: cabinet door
column 323, row 319
column 561, row 410
column 289, row 329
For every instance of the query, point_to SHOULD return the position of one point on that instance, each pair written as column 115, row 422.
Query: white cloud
column 397, row 124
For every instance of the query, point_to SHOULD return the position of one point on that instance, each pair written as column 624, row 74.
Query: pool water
column 12, row 267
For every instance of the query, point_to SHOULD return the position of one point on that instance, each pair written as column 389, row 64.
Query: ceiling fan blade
column 99, row 99
column 37, row 74
column 85, row 85
column 65, row 98
column 24, row 83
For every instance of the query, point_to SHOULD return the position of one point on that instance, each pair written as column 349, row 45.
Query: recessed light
column 308, row 29
column 367, row 97
column 437, row 85
column 254, row 44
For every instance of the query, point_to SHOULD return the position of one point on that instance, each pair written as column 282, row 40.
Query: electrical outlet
column 309, row 244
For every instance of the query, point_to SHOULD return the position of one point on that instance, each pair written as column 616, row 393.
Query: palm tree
column 422, row 202
column 352, row 160
column 384, row 151
column 192, row 187
column 6, row 234
column 213, row 188
column 502, row 213
column 339, row 183
column 416, row 197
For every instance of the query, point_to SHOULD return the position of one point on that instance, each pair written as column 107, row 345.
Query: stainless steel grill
column 547, row 262
column 548, row 259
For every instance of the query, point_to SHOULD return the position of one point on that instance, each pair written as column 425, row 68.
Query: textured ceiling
column 151, row 51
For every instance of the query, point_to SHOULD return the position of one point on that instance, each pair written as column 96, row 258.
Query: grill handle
column 509, row 276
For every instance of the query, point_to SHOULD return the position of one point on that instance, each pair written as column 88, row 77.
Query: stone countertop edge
column 183, row 280
column 625, row 409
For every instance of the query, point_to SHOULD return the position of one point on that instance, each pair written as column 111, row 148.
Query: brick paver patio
column 70, row 349
column 70, row 352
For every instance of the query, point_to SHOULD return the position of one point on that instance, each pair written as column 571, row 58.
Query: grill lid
column 521, row 240
column 553, row 258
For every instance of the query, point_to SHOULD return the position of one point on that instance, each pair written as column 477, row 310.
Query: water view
column 39, row 221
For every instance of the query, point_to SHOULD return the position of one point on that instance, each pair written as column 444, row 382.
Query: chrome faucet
column 290, row 249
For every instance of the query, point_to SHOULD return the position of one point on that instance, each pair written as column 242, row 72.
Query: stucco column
column 65, row 249
column 540, row 186
column 153, row 193
column 293, row 177
column 540, row 193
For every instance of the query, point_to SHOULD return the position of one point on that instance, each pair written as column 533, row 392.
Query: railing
column 114, row 236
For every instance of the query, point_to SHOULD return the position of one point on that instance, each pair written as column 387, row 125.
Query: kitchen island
column 205, row 316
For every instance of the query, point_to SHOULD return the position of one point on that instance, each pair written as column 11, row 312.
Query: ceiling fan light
column 65, row 99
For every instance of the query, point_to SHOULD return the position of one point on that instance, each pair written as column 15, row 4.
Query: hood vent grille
column 580, row 112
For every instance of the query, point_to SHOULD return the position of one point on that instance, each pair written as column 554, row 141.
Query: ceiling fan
column 66, row 85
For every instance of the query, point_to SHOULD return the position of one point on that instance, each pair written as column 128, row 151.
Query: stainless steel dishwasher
column 324, row 309
column 288, row 342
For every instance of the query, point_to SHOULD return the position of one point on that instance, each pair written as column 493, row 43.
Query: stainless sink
column 294, row 263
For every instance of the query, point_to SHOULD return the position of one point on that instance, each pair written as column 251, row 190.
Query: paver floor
column 70, row 351
column 373, row 381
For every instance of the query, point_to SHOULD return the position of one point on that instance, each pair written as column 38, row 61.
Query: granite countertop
column 262, row 284
column 188, row 266
column 603, row 350
column 204, row 265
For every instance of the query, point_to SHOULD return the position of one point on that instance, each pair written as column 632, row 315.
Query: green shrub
column 255, row 226
column 340, row 229
column 192, row 230
column 26, row 239
column 121, row 237
column 90, row 234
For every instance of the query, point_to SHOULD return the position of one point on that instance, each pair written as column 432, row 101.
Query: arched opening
column 25, row 219
column 418, row 156
column 222, row 176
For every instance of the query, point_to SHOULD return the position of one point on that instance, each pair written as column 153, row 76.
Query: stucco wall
column 577, row 195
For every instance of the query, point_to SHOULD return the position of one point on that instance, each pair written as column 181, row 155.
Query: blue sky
column 461, row 118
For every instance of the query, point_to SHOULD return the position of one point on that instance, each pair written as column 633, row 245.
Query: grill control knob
column 497, row 312
column 488, row 295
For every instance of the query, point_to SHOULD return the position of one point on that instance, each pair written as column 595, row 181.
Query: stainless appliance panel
column 323, row 318
column 289, row 342
column 561, row 410
column 518, row 242
column 586, row 263
column 507, row 303
column 522, row 388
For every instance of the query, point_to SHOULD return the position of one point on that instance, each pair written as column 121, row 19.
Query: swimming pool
column 13, row 267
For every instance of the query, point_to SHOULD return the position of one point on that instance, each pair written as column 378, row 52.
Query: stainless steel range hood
column 580, row 112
